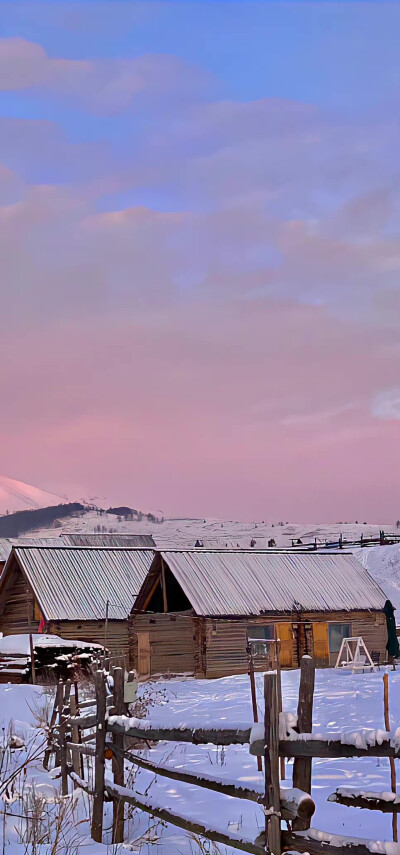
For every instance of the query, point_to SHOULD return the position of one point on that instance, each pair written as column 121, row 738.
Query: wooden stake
column 302, row 767
column 79, row 730
column 53, row 721
column 62, row 741
column 76, row 763
column 279, row 679
column 391, row 760
column 271, row 764
column 98, row 799
column 254, row 698
column 118, row 759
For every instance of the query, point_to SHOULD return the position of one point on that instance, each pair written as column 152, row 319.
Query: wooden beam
column 362, row 799
column 320, row 843
column 78, row 748
column 98, row 799
column 198, row 736
column 164, row 587
column 271, row 764
column 187, row 825
column 327, row 748
column 118, row 757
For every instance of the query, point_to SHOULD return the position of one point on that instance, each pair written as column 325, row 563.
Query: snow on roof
column 19, row 644
column 74, row 583
column 104, row 539
column 251, row 582
column 5, row 548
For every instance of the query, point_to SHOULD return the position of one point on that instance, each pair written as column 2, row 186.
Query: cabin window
column 258, row 635
column 337, row 632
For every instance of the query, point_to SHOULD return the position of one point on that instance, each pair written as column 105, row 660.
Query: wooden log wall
column 172, row 648
column 14, row 618
column 92, row 630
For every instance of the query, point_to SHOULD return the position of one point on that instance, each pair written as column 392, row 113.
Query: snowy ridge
column 18, row 496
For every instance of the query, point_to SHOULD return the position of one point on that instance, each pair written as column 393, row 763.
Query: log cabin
column 68, row 591
column 200, row 610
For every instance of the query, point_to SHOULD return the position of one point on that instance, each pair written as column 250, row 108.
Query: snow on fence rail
column 274, row 739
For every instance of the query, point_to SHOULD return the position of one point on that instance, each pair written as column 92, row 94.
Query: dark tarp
column 392, row 646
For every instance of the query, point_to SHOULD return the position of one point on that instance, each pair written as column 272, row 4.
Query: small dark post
column 62, row 741
column 271, row 764
column 302, row 766
column 98, row 799
column 118, row 759
column 253, row 696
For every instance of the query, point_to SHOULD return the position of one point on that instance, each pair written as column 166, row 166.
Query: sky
column 200, row 255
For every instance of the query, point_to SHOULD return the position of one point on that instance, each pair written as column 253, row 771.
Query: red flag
column 41, row 626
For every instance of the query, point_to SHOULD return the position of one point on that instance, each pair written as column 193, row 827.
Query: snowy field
column 342, row 702
column 382, row 562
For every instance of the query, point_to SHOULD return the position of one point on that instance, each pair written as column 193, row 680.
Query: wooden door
column 284, row 632
column 321, row 642
column 144, row 661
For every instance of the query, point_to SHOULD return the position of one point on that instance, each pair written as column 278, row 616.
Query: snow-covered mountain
column 18, row 496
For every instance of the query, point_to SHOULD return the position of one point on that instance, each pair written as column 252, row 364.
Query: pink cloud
column 101, row 85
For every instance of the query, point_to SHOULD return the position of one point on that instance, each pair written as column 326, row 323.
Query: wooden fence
column 294, row 808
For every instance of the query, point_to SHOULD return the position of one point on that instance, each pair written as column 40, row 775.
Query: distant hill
column 18, row 496
column 14, row 525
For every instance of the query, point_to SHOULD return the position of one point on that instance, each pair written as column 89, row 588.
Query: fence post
column 302, row 766
column 280, row 706
column 271, row 765
column 62, row 740
column 392, row 764
column 118, row 759
column 99, row 762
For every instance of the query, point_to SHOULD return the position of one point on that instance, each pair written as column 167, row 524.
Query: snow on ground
column 342, row 702
column 383, row 564
column 216, row 532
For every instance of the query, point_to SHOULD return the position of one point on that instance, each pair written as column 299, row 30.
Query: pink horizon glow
column 200, row 286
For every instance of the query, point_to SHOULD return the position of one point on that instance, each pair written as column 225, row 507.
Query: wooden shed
column 81, row 593
column 198, row 610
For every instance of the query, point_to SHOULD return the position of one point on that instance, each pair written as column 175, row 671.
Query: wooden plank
column 84, row 722
column 320, row 843
column 98, row 799
column 302, row 765
column 198, row 736
column 271, row 764
column 118, row 757
column 362, row 799
column 187, row 825
column 327, row 748
column 290, row 807
column 77, row 748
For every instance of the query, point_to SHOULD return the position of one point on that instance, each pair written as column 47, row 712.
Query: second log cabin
column 198, row 610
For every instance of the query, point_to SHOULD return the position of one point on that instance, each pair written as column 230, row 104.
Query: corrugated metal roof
column 5, row 548
column 247, row 583
column 109, row 540
column 75, row 583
